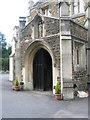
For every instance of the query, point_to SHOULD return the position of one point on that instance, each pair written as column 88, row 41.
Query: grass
column 4, row 72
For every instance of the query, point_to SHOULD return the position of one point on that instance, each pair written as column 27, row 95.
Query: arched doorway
column 42, row 71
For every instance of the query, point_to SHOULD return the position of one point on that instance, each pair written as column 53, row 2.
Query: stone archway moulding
column 29, row 56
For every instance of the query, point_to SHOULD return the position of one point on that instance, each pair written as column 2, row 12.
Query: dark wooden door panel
column 47, row 71
column 42, row 71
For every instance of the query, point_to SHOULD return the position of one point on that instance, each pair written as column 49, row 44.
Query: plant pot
column 22, row 87
column 58, row 96
column 16, row 88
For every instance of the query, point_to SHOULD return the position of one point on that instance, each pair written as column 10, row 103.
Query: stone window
column 43, row 11
column 46, row 11
column 78, row 56
column 75, row 6
column 78, row 6
column 40, row 29
column 32, row 31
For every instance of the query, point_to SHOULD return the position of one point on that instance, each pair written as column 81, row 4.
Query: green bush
column 16, row 81
column 57, row 88
column 0, row 63
column 4, row 64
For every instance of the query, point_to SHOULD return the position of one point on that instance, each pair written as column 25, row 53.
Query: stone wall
column 79, row 71
column 18, row 61
column 53, row 42
column 26, row 39
column 24, row 46
column 33, row 13
column 51, row 38
column 80, row 79
column 86, row 3
column 54, row 9
column 80, row 19
column 79, row 75
column 78, row 31
column 51, row 26
column 27, row 31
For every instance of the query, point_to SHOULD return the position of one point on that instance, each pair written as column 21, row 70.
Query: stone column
column 67, row 69
column 18, row 58
column 65, row 53
column 67, row 60
column 11, row 68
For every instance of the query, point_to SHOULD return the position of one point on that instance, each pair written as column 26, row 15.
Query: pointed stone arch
column 29, row 57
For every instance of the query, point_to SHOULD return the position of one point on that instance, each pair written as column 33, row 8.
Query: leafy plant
column 4, row 64
column 16, row 81
column 57, row 88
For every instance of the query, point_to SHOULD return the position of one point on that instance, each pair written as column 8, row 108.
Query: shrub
column 4, row 64
column 57, row 88
column 16, row 81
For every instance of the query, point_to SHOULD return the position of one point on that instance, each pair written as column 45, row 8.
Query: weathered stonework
column 43, row 32
column 80, row 79
column 80, row 19
column 54, row 43
column 86, row 4
column 54, row 12
column 78, row 31
column 27, row 32
column 51, row 26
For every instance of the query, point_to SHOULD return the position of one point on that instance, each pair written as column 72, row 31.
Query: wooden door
column 42, row 71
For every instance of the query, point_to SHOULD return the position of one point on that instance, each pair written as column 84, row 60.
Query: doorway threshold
column 50, row 93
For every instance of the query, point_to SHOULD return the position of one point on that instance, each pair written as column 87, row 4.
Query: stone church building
column 49, row 45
